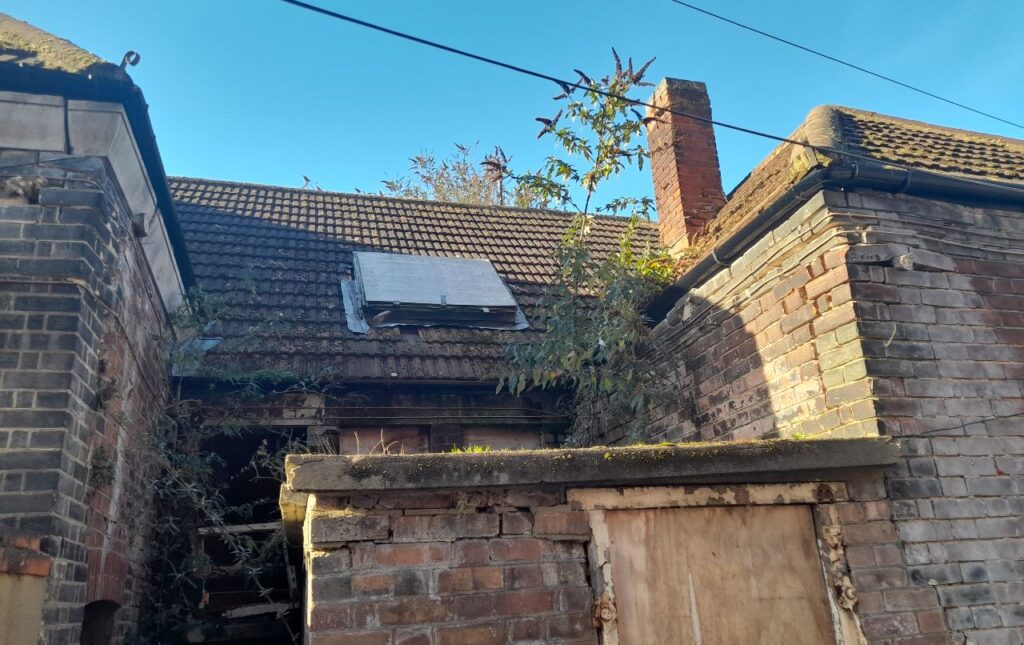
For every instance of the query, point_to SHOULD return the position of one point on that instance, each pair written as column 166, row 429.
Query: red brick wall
column 684, row 162
column 502, row 566
column 448, row 568
column 768, row 347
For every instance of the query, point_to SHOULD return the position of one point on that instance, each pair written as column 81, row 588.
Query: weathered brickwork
column 870, row 313
column 472, row 568
column 941, row 308
column 684, row 162
column 82, row 381
column 893, row 605
column 770, row 345
column 498, row 565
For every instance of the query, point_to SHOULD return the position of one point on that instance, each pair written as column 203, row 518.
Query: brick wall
column 893, row 605
column 483, row 564
column 469, row 568
column 762, row 349
column 871, row 313
column 82, row 381
column 941, row 304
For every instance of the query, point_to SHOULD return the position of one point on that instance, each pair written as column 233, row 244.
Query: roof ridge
column 388, row 198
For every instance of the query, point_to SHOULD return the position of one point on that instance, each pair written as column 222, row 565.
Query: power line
column 963, row 424
column 845, row 63
column 564, row 84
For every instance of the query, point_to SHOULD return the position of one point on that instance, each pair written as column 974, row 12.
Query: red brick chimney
column 684, row 162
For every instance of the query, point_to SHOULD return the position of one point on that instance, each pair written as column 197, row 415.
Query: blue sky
column 263, row 92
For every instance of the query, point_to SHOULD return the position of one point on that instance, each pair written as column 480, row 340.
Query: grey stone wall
column 81, row 380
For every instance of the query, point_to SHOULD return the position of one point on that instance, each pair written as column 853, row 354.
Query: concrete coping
column 732, row 462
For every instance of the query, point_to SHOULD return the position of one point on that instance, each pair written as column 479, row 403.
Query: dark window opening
column 98, row 622
column 257, row 604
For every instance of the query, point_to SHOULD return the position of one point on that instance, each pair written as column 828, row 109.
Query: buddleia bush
column 596, row 338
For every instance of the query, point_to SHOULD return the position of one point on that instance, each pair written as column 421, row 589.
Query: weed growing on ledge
column 470, row 449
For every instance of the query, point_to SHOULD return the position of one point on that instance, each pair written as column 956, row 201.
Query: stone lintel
column 734, row 462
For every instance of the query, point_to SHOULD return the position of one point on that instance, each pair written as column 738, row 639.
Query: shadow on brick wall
column 715, row 383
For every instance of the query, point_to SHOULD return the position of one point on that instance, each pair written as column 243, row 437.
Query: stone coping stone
column 735, row 462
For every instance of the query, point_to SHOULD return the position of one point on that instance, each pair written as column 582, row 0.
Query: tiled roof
column 922, row 145
column 885, row 139
column 280, row 253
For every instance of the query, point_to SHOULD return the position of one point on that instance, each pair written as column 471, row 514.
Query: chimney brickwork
column 684, row 162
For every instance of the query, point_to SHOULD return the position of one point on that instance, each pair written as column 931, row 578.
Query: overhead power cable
column 565, row 84
column 845, row 63
column 963, row 424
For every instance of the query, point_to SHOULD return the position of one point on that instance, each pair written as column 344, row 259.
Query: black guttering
column 116, row 88
column 836, row 176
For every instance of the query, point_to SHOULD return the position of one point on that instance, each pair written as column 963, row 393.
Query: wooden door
column 718, row 576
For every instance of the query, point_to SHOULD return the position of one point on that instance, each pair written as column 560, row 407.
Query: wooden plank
column 718, row 576
column 240, row 528
column 712, row 495
column 245, row 611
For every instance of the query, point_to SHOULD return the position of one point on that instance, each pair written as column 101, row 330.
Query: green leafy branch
column 592, row 313
column 188, row 478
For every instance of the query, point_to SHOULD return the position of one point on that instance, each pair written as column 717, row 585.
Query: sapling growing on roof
column 458, row 178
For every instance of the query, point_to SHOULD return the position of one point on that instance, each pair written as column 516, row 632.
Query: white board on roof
column 392, row 278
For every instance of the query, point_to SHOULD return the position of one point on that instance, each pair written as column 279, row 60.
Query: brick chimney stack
column 684, row 162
